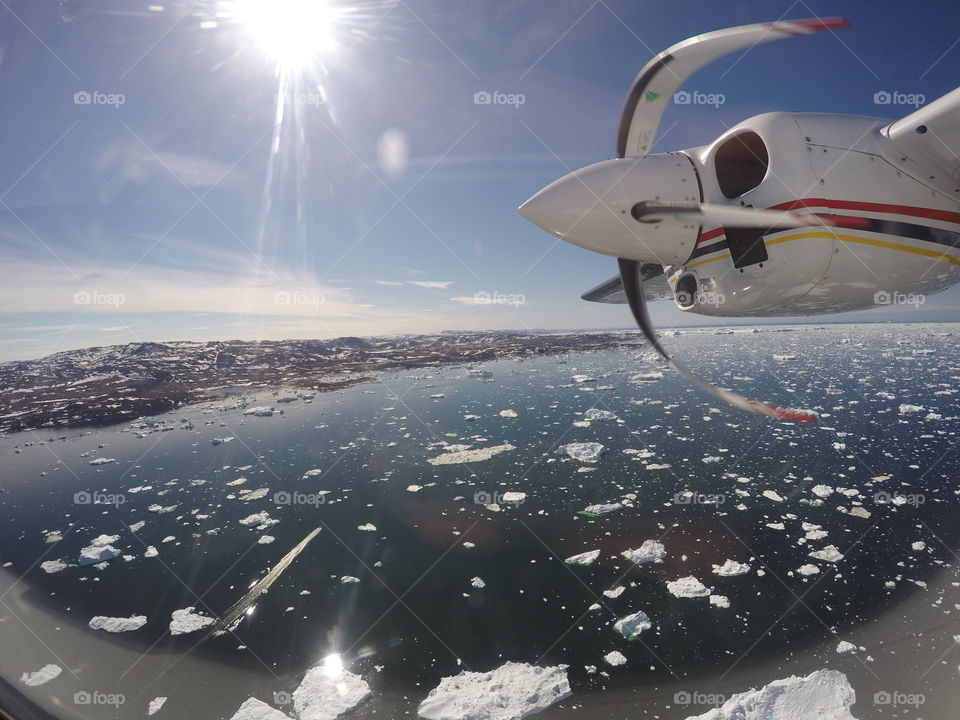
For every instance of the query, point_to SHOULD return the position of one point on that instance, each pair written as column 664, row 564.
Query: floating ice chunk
column 138, row 526
column 168, row 538
column 829, row 553
column 312, row 473
column 919, row 545
column 53, row 566
column 478, row 583
column 614, row 593
column 469, row 456
column 906, row 409
column 328, row 690
column 586, row 558
column 584, row 452
column 596, row 414
column 158, row 702
column 187, row 621
column 632, row 625
column 688, row 587
column 711, row 459
column 776, row 526
column 808, row 569
column 265, row 539
column 367, row 527
column 731, row 568
column 253, row 709
column 824, row 694
column 582, row 378
column 260, row 520
column 414, row 488
column 99, row 550
column 510, row 692
column 822, row 490
column 601, row 509
column 250, row 495
column 508, row 413
column 772, row 495
column 220, row 441
column 151, row 551
column 513, row 498
column 650, row 551
column 860, row 512
column 615, row 658
column 263, row 411
column 102, row 461
column 117, row 624
column 846, row 647
column 41, row 676
column 720, row 601
column 349, row 580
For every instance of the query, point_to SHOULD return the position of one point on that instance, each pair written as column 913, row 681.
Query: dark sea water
column 415, row 616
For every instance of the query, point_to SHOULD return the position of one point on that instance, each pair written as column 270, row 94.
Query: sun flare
column 291, row 32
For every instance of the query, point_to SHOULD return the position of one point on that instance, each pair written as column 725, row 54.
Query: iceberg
column 510, row 692
column 650, row 551
column 253, row 709
column 469, row 456
column 632, row 625
column 41, row 676
column 595, row 414
column 731, row 568
column 584, row 452
column 117, row 624
column 600, row 509
column 187, row 621
column 328, row 690
column 688, row 587
column 586, row 558
column 99, row 550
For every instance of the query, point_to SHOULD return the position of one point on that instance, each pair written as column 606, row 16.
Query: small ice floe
column 510, row 692
column 53, row 566
column 583, row 452
column 102, row 461
column 137, row 526
column 711, row 459
column 312, row 473
column 187, row 621
column 586, row 558
column 632, row 625
column 582, row 378
column 250, row 495
column 731, row 568
column 263, row 411
column 117, row 624
column 597, row 414
column 906, row 409
column 508, row 413
column 478, row 583
column 253, row 709
column 168, row 538
column 155, row 705
column 614, row 593
column 469, row 456
column 220, row 441
column 53, row 536
column 512, row 498
column 260, row 520
column 151, row 551
column 99, row 550
column 414, row 488
column 161, row 509
column 688, row 587
column 468, row 545
column 600, row 509
column 919, row 545
column 646, row 377
column 615, row 658
column 829, row 554
column 720, row 601
column 367, row 527
column 860, row 512
column 328, row 690
column 822, row 491
column 808, row 569
column 824, row 694
column 772, row 495
column 41, row 676
column 846, row 647
column 265, row 539
column 349, row 580
column 776, row 526
column 650, row 551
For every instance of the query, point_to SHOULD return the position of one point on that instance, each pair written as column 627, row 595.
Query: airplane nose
column 591, row 208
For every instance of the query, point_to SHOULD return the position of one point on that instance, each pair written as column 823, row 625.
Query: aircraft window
column 741, row 164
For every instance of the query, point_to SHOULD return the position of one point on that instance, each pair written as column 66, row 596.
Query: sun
column 291, row 32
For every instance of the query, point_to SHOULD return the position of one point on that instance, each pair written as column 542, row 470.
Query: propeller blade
column 632, row 279
column 708, row 214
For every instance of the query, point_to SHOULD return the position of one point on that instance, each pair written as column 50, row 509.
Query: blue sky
column 384, row 199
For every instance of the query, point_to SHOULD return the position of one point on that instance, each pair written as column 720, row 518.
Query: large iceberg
column 584, row 452
column 328, row 690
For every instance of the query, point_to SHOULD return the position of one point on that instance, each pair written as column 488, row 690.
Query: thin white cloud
column 433, row 284
column 387, row 282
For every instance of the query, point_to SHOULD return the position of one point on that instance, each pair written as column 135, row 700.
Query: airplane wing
column 660, row 78
column 655, row 287
column 927, row 143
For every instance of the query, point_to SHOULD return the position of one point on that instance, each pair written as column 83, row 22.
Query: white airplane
column 783, row 214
